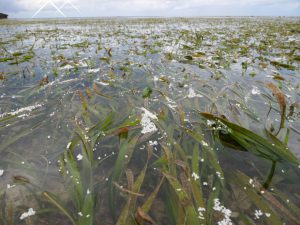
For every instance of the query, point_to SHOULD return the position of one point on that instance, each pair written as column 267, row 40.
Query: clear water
column 90, row 88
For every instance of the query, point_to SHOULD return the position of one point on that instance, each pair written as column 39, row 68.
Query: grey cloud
column 9, row 6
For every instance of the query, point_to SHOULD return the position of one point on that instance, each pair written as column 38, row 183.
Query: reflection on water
column 101, row 121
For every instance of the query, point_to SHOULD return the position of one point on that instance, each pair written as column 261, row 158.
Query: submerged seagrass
column 150, row 121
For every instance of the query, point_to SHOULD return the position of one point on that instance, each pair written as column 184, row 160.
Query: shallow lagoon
column 102, row 121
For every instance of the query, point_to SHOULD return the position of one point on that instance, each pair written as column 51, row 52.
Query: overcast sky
column 93, row 8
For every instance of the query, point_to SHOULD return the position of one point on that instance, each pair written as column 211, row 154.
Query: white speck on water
column 49, row 137
column 258, row 214
column 10, row 186
column 103, row 83
column 126, row 156
column 219, row 175
column 80, row 214
column 255, row 91
column 88, row 192
column 195, row 176
column 79, row 157
column 155, row 78
column 1, row 173
column 94, row 70
column 153, row 143
column 192, row 94
column 268, row 214
column 30, row 212
column 204, row 143
column 146, row 122
column 210, row 122
column 69, row 145
column 67, row 67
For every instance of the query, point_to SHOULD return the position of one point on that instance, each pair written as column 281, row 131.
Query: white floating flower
column 200, row 213
column 1, row 173
column 205, row 144
column 210, row 122
column 268, row 214
column 30, row 212
column 258, row 214
column 79, row 157
column 222, row 209
column 195, row 176
column 255, row 91
column 146, row 122
column 153, row 143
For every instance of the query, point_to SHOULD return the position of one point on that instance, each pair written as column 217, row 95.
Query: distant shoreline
column 147, row 17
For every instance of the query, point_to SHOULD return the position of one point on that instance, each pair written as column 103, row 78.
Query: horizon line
column 127, row 16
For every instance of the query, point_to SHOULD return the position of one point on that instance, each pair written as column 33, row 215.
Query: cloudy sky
column 93, row 8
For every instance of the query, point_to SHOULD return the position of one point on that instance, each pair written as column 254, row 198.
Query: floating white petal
column 79, row 157
column 30, row 212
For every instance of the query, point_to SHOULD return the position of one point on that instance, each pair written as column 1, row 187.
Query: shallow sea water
column 100, row 121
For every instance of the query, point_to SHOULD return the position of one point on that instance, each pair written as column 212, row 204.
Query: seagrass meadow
column 150, row 121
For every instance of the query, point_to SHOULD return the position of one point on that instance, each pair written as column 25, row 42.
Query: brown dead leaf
column 141, row 216
column 2, row 76
column 280, row 99
column 44, row 81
